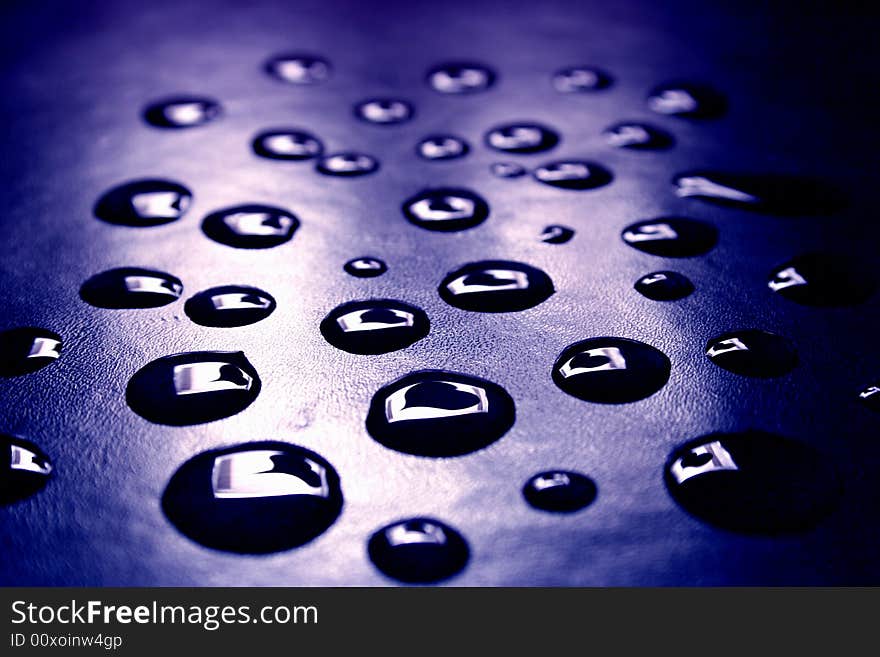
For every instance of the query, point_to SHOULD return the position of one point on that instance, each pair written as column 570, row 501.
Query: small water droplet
column 573, row 174
column 229, row 306
column 192, row 388
column 638, row 137
column 418, row 551
column 438, row 413
column 442, row 147
column 580, row 79
column 752, row 352
column 461, row 78
column 365, row 267
column 377, row 326
column 560, row 491
column 347, row 164
column 131, row 287
column 496, row 286
column 446, row 209
column 753, row 482
column 143, row 203
column 522, row 138
column 24, row 469
column 299, row 68
column 384, row 111
column 250, row 226
column 671, row 237
column 556, row 234
column 687, row 100
column 27, row 349
column 664, row 286
column 294, row 145
column 611, row 370
column 820, row 279
column 254, row 498
column 507, row 170
column 870, row 396
column 182, row 112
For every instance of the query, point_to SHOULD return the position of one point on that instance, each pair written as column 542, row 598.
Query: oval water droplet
column 418, row 551
column 250, row 226
column 507, row 170
column 182, row 112
column 384, row 111
column 821, row 279
column 556, row 234
column 561, row 491
column 142, row 203
column 192, row 388
column 438, row 413
column 24, row 469
column 376, row 326
column 671, row 237
column 228, row 306
column 580, row 79
column 299, row 68
column 638, row 137
column 442, row 147
column 446, row 209
column 687, row 100
column 752, row 352
column 27, row 349
column 254, row 498
column 870, row 396
column 365, row 267
column 461, row 78
column 573, row 174
column 131, row 287
column 287, row 144
column 664, row 286
column 753, row 482
column 522, row 138
column 347, row 165
column 496, row 286
column 611, row 370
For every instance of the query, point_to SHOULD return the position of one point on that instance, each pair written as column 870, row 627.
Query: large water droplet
column 24, row 469
column 580, row 79
column 496, row 286
column 182, row 112
column 638, row 137
column 288, row 144
column 195, row 387
column 298, row 68
column 752, row 352
column 687, row 100
column 664, row 286
column 250, row 226
column 560, row 490
column 573, row 174
column 27, row 349
column 347, row 165
column 229, row 305
column 446, row 209
column 143, row 203
column 131, row 287
column 442, row 147
column 384, row 111
column 817, row 279
column 671, row 237
column 461, row 78
column 522, row 138
column 418, row 551
column 377, row 326
column 254, row 498
column 365, row 267
column 438, row 413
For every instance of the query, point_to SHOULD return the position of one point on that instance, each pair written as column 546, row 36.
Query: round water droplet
column 496, row 286
column 229, row 306
column 556, row 234
column 24, row 469
column 752, row 482
column 347, row 165
column 664, row 286
column 461, row 78
column 365, row 267
column 638, row 137
column 560, row 490
column 294, row 145
column 377, row 326
column 671, row 237
column 254, row 498
column 580, row 79
column 870, row 396
column 182, row 112
column 192, row 388
column 752, row 352
column 250, row 226
column 384, row 111
column 299, row 68
column 131, row 287
column 573, row 174
column 144, row 203
column 507, row 170
column 687, row 100
column 442, row 147
column 818, row 279
column 446, row 209
column 418, row 551
column 522, row 138
column 27, row 349
column 611, row 370
column 437, row 413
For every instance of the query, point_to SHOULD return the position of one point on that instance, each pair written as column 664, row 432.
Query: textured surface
column 75, row 79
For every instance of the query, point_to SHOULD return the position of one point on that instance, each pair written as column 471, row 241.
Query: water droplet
column 384, row 111
column 250, row 226
column 27, row 349
column 182, row 112
column 298, row 68
column 24, row 469
column 229, row 306
column 752, row 352
column 461, row 78
column 442, row 147
column 752, row 482
column 870, row 396
column 522, row 138
column 254, row 498
column 418, row 551
column 664, row 286
column 295, row 145
column 446, row 209
column 818, row 279
column 192, row 388
column 507, row 170
column 377, row 326
column 638, row 137
column 573, row 174
column 611, row 370
column 496, row 286
column 671, row 237
column 560, row 490
column 144, row 203
column 437, row 413
column 347, row 164
column 365, row 267
column 580, row 79
column 687, row 100
column 131, row 287
column 555, row 234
